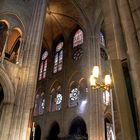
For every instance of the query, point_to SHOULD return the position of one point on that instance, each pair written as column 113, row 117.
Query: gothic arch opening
column 8, row 89
column 13, row 45
column 1, row 94
column 54, row 131
column 108, row 129
column 1, row 98
column 3, row 34
column 35, row 133
column 78, row 129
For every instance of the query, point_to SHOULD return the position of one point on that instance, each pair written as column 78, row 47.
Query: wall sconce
column 94, row 80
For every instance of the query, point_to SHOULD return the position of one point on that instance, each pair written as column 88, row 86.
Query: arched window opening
column 1, row 99
column 56, row 99
column 106, row 98
column 103, row 51
column 13, row 54
column 43, row 66
column 36, row 132
column 54, row 132
column 3, row 34
column 109, row 135
column 77, row 42
column 1, row 94
column 39, row 105
column 78, row 38
column 36, row 105
column 73, row 95
column 78, row 129
column 13, row 45
column 102, row 39
column 58, row 60
column 105, row 68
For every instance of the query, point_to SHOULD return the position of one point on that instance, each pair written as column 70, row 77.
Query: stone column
column 5, row 121
column 28, row 73
column 133, row 47
column 95, row 108
column 114, row 43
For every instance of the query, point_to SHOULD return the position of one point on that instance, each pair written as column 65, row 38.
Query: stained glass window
column 73, row 96
column 102, row 39
column 56, row 100
column 58, row 60
column 39, row 104
column 43, row 66
column 78, row 38
column 36, row 105
column 109, row 131
column 106, row 97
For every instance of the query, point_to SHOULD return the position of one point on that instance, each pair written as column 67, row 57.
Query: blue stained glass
column 102, row 40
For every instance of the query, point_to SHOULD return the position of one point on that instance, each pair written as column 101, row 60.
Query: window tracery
column 56, row 99
column 58, row 60
column 106, row 97
column 73, row 96
column 43, row 66
column 109, row 130
column 78, row 38
column 39, row 105
column 77, row 41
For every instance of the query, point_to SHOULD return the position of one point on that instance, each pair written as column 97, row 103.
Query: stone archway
column 36, row 132
column 109, row 134
column 1, row 99
column 1, row 94
column 78, row 129
column 54, row 131
column 7, row 103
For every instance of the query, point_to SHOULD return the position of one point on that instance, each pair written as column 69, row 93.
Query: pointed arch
column 7, row 86
column 56, row 97
column 54, row 131
column 78, row 128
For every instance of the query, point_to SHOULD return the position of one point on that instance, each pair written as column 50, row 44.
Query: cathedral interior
column 69, row 69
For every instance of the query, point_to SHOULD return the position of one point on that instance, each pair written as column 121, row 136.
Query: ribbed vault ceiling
column 61, row 17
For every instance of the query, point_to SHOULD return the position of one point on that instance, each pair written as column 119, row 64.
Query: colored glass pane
column 106, row 97
column 109, row 131
column 44, row 55
column 73, row 97
column 102, row 40
column 78, row 38
column 59, row 47
column 43, row 66
column 58, row 60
